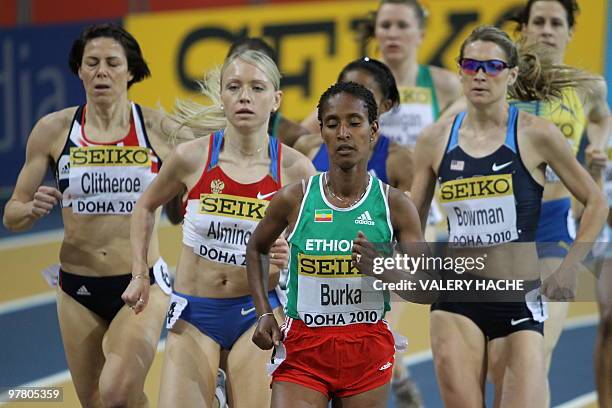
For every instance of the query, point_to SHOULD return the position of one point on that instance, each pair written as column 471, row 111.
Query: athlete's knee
column 90, row 399
column 118, row 391
column 114, row 399
column 447, row 372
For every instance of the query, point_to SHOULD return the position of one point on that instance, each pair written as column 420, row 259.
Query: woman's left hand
column 561, row 286
column 363, row 254
column 279, row 253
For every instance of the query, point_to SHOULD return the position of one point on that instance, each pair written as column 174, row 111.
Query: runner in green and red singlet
column 335, row 343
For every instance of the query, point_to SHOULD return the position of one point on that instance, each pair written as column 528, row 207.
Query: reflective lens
column 490, row 67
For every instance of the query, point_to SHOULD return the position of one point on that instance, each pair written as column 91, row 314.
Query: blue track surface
column 32, row 349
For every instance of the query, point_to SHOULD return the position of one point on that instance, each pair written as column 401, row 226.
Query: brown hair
column 538, row 78
column 367, row 28
column 136, row 63
column 522, row 17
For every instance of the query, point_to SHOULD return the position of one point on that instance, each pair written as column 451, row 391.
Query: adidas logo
column 83, row 291
column 384, row 367
column 64, row 167
column 364, row 218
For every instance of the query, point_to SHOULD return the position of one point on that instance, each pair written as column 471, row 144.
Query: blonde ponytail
column 201, row 119
column 540, row 79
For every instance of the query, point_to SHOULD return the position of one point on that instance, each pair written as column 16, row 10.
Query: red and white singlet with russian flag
column 221, row 213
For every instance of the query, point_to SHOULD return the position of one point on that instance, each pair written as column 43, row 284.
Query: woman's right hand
column 136, row 295
column 45, row 199
column 267, row 333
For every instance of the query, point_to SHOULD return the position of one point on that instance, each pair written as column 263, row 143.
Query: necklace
column 344, row 200
column 245, row 153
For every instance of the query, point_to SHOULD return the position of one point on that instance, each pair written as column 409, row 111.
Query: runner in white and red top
column 105, row 153
column 230, row 176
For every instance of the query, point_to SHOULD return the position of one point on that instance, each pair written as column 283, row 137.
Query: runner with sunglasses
column 494, row 144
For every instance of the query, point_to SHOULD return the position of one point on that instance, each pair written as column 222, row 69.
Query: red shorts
column 339, row 360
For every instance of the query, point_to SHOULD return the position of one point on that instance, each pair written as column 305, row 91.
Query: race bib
column 404, row 123
column 224, row 224
column 481, row 210
column 107, row 179
column 334, row 293
column 177, row 304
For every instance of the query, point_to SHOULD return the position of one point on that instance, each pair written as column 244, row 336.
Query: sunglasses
column 491, row 67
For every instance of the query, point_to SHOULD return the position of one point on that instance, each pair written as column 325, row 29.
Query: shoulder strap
column 214, row 147
column 425, row 80
column 274, row 150
column 453, row 140
column 511, row 128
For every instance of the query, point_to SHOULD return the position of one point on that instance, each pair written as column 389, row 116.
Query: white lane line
column 59, row 378
column 27, row 302
column 37, row 300
column 417, row 358
column 578, row 322
column 580, row 401
column 32, row 239
column 46, row 237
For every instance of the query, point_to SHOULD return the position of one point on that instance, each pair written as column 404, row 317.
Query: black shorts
column 101, row 295
column 495, row 319
column 498, row 318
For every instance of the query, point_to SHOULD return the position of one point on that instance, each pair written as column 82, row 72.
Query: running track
column 31, row 350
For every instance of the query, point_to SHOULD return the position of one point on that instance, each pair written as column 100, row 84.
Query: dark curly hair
column 351, row 88
column 136, row 63
column 570, row 6
column 381, row 74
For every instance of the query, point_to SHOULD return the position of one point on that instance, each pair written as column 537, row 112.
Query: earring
column 221, row 107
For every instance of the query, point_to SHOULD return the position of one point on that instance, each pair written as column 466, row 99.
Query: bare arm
column 164, row 133
column 290, row 132
column 309, row 144
column 558, row 154
column 599, row 128
column 312, row 123
column 552, row 147
column 424, row 181
column 400, row 167
column 448, row 87
column 460, row 105
column 600, row 120
column 282, row 206
column 169, row 182
column 296, row 166
column 31, row 201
